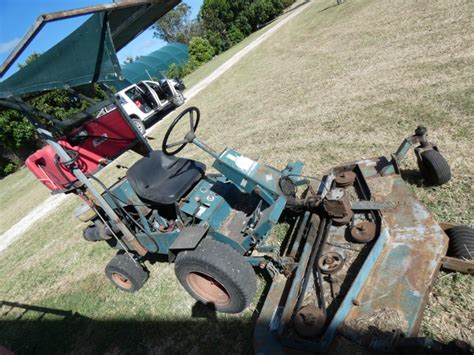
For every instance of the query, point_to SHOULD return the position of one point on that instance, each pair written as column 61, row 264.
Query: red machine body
column 95, row 144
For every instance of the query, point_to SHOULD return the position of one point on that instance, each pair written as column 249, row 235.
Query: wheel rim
column 139, row 127
column 122, row 281
column 208, row 288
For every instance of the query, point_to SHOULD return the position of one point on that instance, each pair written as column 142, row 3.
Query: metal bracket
column 454, row 264
column 189, row 237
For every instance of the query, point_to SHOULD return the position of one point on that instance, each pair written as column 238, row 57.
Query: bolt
column 355, row 302
column 361, row 228
column 308, row 319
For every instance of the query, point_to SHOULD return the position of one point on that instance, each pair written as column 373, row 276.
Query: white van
column 146, row 98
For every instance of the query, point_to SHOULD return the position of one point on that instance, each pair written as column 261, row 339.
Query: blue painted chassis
column 212, row 201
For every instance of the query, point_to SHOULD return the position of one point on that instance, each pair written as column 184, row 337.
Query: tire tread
column 214, row 254
column 461, row 242
column 123, row 264
column 435, row 168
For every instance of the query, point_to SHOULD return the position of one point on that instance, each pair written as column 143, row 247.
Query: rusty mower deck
column 362, row 283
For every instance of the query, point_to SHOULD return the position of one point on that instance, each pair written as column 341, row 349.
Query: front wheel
column 434, row 168
column 125, row 273
column 217, row 275
column 140, row 126
column 178, row 99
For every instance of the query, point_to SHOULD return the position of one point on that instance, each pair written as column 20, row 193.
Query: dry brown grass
column 337, row 83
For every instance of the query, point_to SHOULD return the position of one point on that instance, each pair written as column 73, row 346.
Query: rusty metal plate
column 399, row 282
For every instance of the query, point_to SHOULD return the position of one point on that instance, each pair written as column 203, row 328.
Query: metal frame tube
column 124, row 113
column 61, row 15
column 129, row 237
column 47, row 136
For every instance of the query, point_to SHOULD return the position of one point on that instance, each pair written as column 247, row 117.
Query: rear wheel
column 124, row 273
column 217, row 275
column 434, row 168
column 461, row 242
column 139, row 125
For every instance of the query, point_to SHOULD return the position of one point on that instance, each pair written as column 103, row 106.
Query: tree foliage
column 200, row 50
column 222, row 24
column 226, row 22
column 32, row 57
column 130, row 59
column 17, row 136
column 176, row 26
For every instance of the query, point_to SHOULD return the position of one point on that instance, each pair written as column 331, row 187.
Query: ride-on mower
column 360, row 255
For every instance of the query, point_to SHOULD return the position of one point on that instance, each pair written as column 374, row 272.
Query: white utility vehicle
column 146, row 98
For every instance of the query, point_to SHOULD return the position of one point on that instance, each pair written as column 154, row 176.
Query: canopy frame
column 43, row 19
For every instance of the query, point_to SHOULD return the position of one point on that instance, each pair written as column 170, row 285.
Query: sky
column 17, row 16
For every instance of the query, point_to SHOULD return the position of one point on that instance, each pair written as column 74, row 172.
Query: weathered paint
column 394, row 280
column 406, row 268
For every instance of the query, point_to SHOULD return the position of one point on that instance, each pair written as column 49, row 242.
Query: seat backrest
column 161, row 179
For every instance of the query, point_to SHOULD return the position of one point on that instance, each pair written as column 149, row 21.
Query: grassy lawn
column 206, row 69
column 335, row 84
column 19, row 194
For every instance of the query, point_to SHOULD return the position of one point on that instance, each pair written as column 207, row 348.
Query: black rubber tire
column 122, row 265
column 178, row 100
column 223, row 264
column 434, row 168
column 140, row 125
column 461, row 242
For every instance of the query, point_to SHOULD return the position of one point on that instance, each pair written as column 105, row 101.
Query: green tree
column 215, row 15
column 17, row 139
column 227, row 22
column 176, row 26
column 32, row 57
column 17, row 136
column 200, row 50
column 224, row 23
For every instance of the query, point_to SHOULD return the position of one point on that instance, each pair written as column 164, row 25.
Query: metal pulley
column 309, row 321
column 330, row 262
column 364, row 232
column 345, row 178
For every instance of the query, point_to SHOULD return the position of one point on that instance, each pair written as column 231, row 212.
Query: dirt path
column 49, row 205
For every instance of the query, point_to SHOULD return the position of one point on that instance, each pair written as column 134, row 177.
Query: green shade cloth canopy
column 152, row 66
column 88, row 54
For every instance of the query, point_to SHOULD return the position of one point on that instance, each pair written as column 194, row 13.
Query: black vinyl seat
column 162, row 179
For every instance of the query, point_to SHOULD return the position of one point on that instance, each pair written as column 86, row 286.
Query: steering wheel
column 194, row 115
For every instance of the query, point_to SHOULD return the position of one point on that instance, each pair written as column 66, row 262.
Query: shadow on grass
column 291, row 9
column 42, row 330
column 412, row 176
column 150, row 122
column 329, row 7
